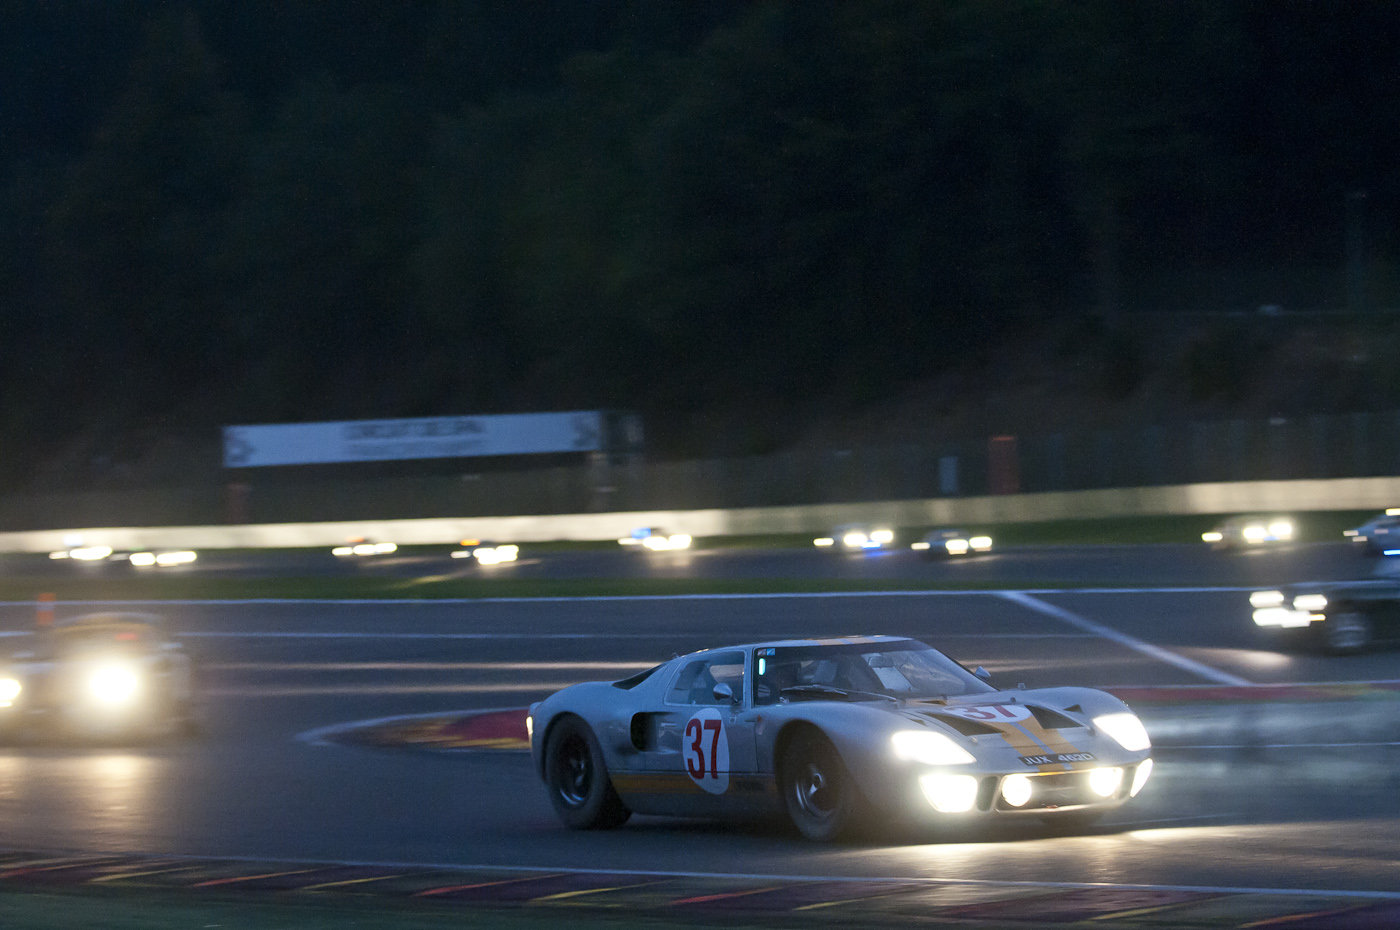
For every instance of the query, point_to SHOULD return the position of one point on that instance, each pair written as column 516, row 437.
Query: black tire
column 577, row 776
column 1345, row 632
column 821, row 799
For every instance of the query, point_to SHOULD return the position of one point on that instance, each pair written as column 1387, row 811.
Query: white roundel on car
column 705, row 751
column 990, row 713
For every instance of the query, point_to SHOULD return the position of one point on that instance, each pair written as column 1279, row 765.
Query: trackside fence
column 1322, row 447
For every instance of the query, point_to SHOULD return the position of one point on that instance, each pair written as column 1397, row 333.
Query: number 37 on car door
column 705, row 749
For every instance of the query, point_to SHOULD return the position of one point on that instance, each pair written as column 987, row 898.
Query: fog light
column 1016, row 790
column 1105, row 782
column 950, row 794
column 1144, row 771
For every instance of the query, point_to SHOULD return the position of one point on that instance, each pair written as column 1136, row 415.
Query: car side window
column 695, row 682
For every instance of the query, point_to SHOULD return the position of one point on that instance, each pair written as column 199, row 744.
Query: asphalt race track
column 1255, row 789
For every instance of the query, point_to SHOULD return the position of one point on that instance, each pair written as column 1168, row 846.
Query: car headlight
column 1266, row 599
column 1144, row 771
column 950, row 794
column 980, row 543
column 1310, row 602
column 1016, row 790
column 113, row 684
column 853, row 540
column 883, row 537
column 929, row 748
column 1282, row 529
column 1126, row 729
column 9, row 690
column 1105, row 782
column 956, row 546
column 1255, row 533
column 823, row 541
column 1212, row 536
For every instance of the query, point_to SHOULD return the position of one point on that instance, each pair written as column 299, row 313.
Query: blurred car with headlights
column 857, row 537
column 360, row 547
column 102, row 676
column 486, row 553
column 1337, row 617
column 946, row 542
column 1378, row 536
column 138, row 558
column 655, row 539
column 836, row 735
column 1247, row 532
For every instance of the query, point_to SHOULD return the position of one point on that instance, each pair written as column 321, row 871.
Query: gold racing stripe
column 1021, row 741
column 654, row 783
column 1053, row 740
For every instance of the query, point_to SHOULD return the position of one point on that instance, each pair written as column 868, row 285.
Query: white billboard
column 420, row 438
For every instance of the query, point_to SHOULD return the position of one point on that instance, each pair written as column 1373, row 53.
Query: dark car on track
column 1378, row 536
column 1338, row 617
column 1251, row 531
column 113, row 675
column 947, row 542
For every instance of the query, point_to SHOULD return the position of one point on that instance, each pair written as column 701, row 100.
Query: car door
column 699, row 746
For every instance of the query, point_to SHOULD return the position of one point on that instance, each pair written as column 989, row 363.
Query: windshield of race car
column 902, row 669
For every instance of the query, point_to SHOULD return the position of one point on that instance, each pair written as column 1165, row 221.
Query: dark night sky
column 734, row 217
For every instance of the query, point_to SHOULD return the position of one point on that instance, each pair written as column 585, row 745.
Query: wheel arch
column 789, row 732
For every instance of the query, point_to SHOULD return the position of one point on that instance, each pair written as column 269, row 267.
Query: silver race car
column 99, row 676
column 834, row 734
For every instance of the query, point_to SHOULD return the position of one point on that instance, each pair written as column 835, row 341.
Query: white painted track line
column 1123, row 639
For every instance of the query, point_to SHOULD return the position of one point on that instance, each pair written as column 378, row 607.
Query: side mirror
column 982, row 673
column 723, row 693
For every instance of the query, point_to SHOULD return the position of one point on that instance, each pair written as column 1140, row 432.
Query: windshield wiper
column 843, row 692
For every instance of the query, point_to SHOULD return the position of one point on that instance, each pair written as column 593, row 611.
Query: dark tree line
column 253, row 211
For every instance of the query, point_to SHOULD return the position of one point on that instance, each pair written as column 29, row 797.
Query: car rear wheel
column 821, row 798
column 1346, row 631
column 577, row 775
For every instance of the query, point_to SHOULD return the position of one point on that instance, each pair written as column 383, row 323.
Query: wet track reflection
column 1276, row 792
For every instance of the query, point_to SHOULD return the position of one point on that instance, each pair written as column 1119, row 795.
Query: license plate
column 1062, row 758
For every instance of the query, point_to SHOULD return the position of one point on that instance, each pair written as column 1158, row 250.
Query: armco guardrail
column 1217, row 498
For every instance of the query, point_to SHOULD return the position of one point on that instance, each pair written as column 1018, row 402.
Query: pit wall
column 1216, row 498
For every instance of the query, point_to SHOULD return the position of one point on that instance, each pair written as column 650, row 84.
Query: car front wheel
column 1346, row 631
column 577, row 776
column 821, row 798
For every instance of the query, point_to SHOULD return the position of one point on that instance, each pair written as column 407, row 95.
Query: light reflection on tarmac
column 1275, row 795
